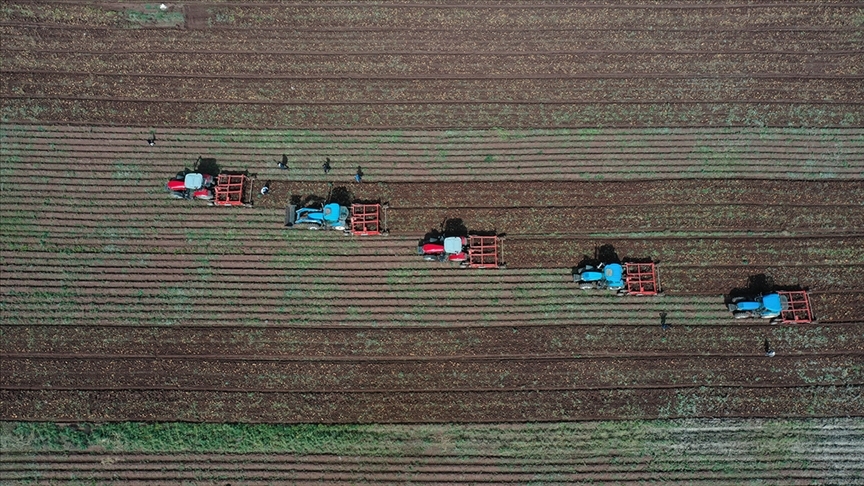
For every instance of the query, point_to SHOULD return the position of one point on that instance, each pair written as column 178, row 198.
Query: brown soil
column 120, row 303
column 478, row 65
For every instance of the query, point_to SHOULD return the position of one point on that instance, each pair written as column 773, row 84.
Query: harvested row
column 561, row 221
column 811, row 195
column 395, row 15
column 431, row 373
column 113, row 156
column 505, row 88
column 55, row 38
column 172, row 302
column 217, row 248
column 334, row 343
column 430, row 407
column 401, row 115
column 698, row 63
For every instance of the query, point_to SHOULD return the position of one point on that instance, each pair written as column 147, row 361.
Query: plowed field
column 118, row 295
column 723, row 140
column 435, row 64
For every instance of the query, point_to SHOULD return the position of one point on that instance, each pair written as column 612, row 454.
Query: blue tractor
column 328, row 216
column 767, row 306
column 608, row 276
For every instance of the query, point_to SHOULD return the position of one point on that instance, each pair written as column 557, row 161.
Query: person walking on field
column 768, row 350
column 266, row 189
column 284, row 164
column 358, row 177
column 326, row 166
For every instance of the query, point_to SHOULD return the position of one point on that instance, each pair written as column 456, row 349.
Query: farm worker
column 266, row 189
column 326, row 166
column 358, row 177
column 152, row 140
column 284, row 164
column 663, row 324
column 768, row 351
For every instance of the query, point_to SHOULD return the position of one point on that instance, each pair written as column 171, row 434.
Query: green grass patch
column 150, row 14
column 669, row 439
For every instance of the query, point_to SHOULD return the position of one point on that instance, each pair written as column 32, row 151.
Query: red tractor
column 472, row 251
column 192, row 185
column 222, row 190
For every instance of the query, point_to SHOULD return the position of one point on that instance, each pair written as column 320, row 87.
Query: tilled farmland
column 128, row 298
column 722, row 141
column 403, row 64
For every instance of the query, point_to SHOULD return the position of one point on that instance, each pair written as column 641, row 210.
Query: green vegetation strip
column 540, row 440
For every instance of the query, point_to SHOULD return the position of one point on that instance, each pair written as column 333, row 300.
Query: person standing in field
column 284, row 164
column 358, row 177
column 326, row 166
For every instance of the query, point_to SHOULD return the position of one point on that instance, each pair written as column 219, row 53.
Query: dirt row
column 107, row 137
column 425, row 375
column 201, row 271
column 557, row 222
column 354, row 90
column 426, row 469
column 47, row 37
column 470, row 15
column 176, row 307
column 120, row 175
column 405, row 64
column 172, row 255
column 573, row 463
column 692, row 401
column 398, row 116
column 806, row 196
column 631, row 340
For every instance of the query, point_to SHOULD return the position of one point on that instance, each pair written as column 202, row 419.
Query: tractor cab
column 438, row 248
column 454, row 244
column 191, row 186
column 195, row 181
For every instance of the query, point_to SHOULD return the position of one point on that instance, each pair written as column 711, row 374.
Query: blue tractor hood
column 614, row 274
column 772, row 303
column 748, row 305
column 331, row 213
column 591, row 276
